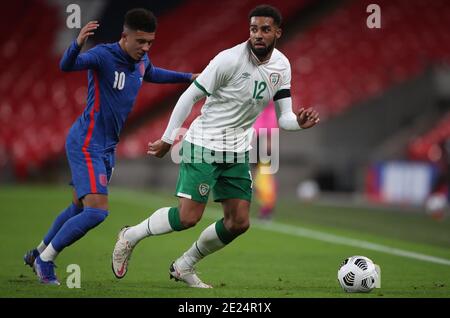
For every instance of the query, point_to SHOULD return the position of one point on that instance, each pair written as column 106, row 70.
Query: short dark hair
column 266, row 10
column 140, row 19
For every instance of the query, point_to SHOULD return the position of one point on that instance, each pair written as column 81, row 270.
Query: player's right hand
column 86, row 31
column 158, row 148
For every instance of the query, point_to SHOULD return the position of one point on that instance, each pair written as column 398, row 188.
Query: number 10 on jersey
column 119, row 80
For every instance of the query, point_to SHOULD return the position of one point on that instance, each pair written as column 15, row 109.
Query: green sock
column 174, row 219
column 224, row 235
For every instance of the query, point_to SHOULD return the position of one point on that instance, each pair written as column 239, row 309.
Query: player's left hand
column 86, row 32
column 158, row 148
column 194, row 76
column 307, row 118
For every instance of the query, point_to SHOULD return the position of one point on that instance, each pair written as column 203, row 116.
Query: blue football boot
column 46, row 272
column 30, row 256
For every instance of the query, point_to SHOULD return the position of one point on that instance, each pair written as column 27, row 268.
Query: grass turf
column 261, row 263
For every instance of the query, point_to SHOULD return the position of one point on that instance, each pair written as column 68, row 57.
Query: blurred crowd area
column 383, row 93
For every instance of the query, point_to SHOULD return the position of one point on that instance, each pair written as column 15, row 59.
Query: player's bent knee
column 77, row 201
column 239, row 227
column 94, row 216
column 96, row 201
column 78, row 204
column 189, row 221
column 190, row 213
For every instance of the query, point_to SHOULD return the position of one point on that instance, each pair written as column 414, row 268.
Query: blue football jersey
column 114, row 80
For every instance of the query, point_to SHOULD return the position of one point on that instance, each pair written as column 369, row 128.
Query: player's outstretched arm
column 159, row 75
column 72, row 59
column 288, row 120
column 179, row 114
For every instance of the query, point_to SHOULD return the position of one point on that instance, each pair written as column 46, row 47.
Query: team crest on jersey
column 274, row 78
column 103, row 179
column 203, row 189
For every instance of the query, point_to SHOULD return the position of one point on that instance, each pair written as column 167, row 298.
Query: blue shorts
column 91, row 170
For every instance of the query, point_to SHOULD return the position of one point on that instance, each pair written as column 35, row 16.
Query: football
column 358, row 274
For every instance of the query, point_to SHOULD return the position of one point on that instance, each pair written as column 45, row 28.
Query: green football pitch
column 295, row 255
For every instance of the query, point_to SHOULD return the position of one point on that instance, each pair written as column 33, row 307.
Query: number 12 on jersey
column 259, row 89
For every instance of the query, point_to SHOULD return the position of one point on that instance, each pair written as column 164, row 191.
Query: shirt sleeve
column 287, row 119
column 216, row 74
column 181, row 112
column 72, row 60
column 159, row 75
column 286, row 77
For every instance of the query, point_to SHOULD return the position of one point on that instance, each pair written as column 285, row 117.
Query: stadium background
column 376, row 168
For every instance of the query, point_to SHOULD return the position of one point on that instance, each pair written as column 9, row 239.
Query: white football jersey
column 239, row 87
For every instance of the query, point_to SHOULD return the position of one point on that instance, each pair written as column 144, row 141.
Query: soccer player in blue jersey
column 115, row 74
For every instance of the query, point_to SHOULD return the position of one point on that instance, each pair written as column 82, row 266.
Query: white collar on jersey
column 254, row 58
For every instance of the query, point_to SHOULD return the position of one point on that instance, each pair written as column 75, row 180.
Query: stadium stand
column 336, row 62
column 339, row 62
column 426, row 146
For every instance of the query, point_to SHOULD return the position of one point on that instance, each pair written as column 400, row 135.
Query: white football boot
column 187, row 275
column 121, row 255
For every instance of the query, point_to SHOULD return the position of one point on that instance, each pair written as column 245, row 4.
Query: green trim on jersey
column 200, row 87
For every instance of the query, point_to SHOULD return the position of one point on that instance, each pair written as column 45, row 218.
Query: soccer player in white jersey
column 239, row 83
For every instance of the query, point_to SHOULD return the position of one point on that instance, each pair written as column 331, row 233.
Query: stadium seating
column 336, row 63
column 37, row 106
column 427, row 146
column 339, row 61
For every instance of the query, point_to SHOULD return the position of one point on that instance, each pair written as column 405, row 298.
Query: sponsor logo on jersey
column 274, row 78
column 203, row 189
column 245, row 75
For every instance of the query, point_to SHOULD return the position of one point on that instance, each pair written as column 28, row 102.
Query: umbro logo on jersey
column 246, row 75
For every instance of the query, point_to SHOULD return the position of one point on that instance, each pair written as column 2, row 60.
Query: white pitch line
column 312, row 234
column 335, row 239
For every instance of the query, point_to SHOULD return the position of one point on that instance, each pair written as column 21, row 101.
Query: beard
column 263, row 52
